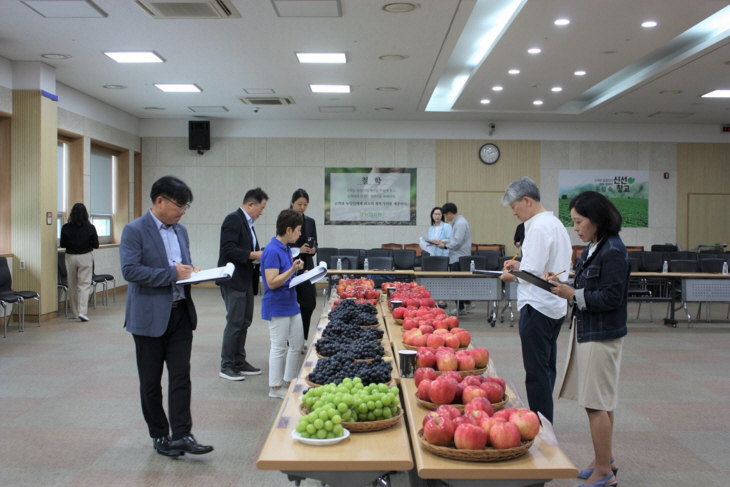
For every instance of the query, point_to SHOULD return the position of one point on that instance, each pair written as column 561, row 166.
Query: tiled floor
column 71, row 417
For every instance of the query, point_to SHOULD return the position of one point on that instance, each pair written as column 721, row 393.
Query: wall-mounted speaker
column 199, row 135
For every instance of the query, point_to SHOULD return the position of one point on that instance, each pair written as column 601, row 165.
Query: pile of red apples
column 445, row 359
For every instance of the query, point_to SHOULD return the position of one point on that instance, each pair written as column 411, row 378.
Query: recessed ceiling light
column 399, row 7
column 179, row 87
column 387, row 88
column 393, row 57
column 580, row 73
column 55, row 56
column 321, row 57
column 670, row 92
column 330, row 88
column 556, row 89
column 649, row 24
column 485, row 101
column 534, row 50
column 115, row 87
column 717, row 94
column 562, row 22
column 496, row 88
column 537, row 102
column 208, row 109
column 135, row 56
column 514, row 71
column 154, row 108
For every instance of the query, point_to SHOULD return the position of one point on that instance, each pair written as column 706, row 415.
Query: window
column 101, row 188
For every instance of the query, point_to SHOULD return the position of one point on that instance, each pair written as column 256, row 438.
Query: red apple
column 527, row 422
column 470, row 392
column 504, row 435
column 493, row 391
column 446, row 362
column 419, row 340
column 471, row 380
column 429, row 415
column 409, row 323
column 456, row 330
column 425, row 357
column 470, row 437
column 452, row 321
column 479, row 404
column 452, row 374
column 440, row 331
column 448, row 410
column 439, row 431
column 463, row 336
column 398, row 313
column 435, row 341
column 440, row 325
column 465, row 360
column 426, row 329
column 498, row 380
column 476, row 416
column 424, row 373
column 423, row 390
column 487, row 424
column 504, row 413
column 441, row 391
column 481, row 357
column 452, row 342
column 410, row 334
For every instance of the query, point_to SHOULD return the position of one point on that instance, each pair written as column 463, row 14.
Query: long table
column 358, row 460
column 539, row 465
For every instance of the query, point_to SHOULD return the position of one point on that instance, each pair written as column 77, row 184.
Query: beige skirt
column 592, row 372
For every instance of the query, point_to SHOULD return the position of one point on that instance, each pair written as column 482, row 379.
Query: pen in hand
column 506, row 263
column 556, row 275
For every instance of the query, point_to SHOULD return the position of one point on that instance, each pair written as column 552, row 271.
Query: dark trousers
column 307, row 299
column 239, row 309
column 539, row 336
column 455, row 267
column 172, row 348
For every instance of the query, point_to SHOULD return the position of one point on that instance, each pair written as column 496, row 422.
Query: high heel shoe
column 584, row 474
column 603, row 482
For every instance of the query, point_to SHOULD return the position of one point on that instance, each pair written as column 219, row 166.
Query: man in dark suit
column 240, row 246
column 160, row 314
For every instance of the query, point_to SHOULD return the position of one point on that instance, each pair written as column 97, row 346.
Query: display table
column 355, row 461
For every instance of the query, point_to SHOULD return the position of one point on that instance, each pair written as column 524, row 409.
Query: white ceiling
column 627, row 65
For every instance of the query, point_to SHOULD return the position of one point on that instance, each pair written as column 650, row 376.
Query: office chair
column 104, row 280
column 6, row 287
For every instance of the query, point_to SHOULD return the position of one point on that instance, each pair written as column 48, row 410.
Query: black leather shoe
column 162, row 446
column 188, row 444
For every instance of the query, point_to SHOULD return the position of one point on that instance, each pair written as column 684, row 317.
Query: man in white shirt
column 459, row 245
column 546, row 249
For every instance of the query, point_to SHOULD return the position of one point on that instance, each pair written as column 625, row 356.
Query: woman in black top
column 79, row 238
column 307, row 244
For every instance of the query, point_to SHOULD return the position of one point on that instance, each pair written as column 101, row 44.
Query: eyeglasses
column 181, row 207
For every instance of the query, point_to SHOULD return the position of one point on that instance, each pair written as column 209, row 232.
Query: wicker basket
column 464, row 373
column 432, row 405
column 413, row 347
column 398, row 321
column 488, row 454
column 363, row 426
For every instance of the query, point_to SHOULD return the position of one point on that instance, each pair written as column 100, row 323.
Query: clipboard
column 489, row 273
column 533, row 279
column 216, row 274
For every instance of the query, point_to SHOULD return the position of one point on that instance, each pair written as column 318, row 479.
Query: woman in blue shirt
column 279, row 305
column 439, row 231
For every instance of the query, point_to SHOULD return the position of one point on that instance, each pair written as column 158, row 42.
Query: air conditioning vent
column 267, row 100
column 190, row 9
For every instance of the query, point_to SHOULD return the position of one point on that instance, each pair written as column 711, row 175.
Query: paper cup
column 407, row 363
column 396, row 304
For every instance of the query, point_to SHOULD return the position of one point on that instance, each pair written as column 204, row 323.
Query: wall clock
column 489, row 153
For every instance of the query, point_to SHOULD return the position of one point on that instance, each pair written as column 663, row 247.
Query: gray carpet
column 71, row 414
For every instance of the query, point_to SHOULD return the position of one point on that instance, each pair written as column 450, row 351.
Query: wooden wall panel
column 5, row 187
column 703, row 175
column 477, row 188
column 710, row 222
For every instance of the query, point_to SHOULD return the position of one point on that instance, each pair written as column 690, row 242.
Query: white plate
column 317, row 441
column 295, row 251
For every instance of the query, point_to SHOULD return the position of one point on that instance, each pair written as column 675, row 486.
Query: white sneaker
column 83, row 317
column 279, row 393
column 469, row 307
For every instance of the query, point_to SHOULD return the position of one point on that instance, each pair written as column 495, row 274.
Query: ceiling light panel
column 69, row 9
column 135, row 56
column 717, row 94
column 330, row 88
column 178, row 87
column 322, row 57
column 307, row 8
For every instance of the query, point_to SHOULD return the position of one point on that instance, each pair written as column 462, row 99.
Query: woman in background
column 600, row 299
column 439, row 231
column 79, row 238
column 279, row 305
column 307, row 245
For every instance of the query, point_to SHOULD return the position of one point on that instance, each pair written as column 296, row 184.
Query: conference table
column 366, row 457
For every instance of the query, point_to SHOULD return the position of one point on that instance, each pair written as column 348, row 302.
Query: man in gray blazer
column 160, row 314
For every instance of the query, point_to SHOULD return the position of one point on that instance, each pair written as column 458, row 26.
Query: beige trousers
column 78, row 267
